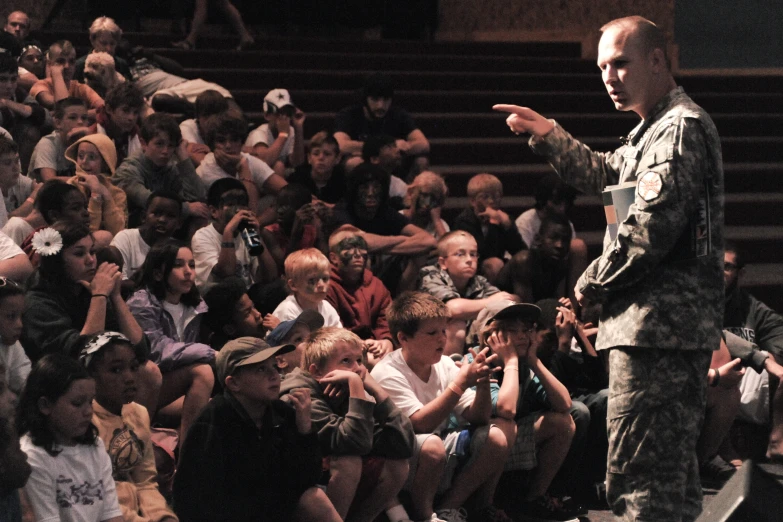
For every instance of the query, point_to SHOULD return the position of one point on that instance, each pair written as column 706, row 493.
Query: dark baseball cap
column 312, row 319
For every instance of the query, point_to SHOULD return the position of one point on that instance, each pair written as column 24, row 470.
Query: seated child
column 530, row 396
column 219, row 250
column 493, row 229
column 424, row 201
column 15, row 362
column 294, row 331
column 9, row 172
column 96, row 159
column 124, row 426
column 163, row 216
column 169, row 310
column 307, row 275
column 209, row 103
column 280, row 141
column 382, row 151
column 100, row 73
column 13, row 460
column 163, row 164
column 72, row 473
column 105, row 35
column 430, row 389
column 19, row 115
column 542, row 272
column 323, row 174
column 119, row 119
column 455, row 282
column 249, row 456
column 231, row 314
column 359, row 297
column 48, row 160
column 59, row 83
column 14, row 263
column 553, row 196
column 371, row 439
column 300, row 224
column 225, row 134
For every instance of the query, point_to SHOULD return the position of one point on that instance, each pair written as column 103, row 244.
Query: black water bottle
column 251, row 238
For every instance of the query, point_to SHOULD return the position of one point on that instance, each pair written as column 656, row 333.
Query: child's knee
column 151, row 375
column 345, row 468
column 564, row 424
column 432, row 453
column 497, row 439
column 203, row 374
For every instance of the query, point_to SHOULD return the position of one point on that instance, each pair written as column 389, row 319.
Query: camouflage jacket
column 660, row 280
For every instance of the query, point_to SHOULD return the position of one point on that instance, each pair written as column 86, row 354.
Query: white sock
column 397, row 513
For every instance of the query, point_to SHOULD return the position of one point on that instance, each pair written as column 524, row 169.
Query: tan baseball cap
column 245, row 351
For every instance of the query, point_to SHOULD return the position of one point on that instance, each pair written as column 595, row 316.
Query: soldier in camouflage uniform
column 659, row 279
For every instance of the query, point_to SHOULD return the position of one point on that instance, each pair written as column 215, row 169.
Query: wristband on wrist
column 227, row 244
column 283, row 135
column 29, row 200
column 716, row 379
column 511, row 368
column 456, row 389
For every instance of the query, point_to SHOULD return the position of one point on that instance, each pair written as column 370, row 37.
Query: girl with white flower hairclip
column 74, row 296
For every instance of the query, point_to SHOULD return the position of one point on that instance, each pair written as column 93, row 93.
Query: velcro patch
column 650, row 185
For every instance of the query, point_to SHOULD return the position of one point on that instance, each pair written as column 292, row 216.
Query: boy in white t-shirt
column 209, row 103
column 280, row 141
column 219, row 250
column 307, row 273
column 430, row 388
column 162, row 217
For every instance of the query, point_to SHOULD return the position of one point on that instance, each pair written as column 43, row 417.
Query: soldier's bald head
column 642, row 32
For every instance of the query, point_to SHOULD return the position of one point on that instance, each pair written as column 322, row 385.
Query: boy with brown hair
column 323, row 174
column 431, row 389
column 367, row 437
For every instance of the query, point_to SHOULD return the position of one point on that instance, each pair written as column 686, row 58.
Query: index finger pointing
column 502, row 107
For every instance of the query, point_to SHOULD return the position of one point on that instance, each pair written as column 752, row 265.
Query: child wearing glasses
column 455, row 282
column 359, row 297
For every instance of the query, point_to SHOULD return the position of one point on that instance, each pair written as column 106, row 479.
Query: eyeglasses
column 4, row 281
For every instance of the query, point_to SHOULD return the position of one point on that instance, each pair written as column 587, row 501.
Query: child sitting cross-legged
column 307, row 274
column 249, row 456
column 430, row 389
column 124, row 426
column 366, row 436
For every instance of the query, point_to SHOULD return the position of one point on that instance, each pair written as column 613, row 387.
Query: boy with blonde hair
column 105, row 35
column 307, row 275
column 455, row 282
column 431, row 390
column 493, row 229
column 367, row 438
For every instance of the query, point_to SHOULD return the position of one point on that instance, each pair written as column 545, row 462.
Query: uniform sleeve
column 576, row 163
column 668, row 186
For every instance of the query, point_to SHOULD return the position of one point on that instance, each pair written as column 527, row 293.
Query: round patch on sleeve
column 649, row 186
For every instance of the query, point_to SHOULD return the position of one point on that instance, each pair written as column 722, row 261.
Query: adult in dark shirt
column 365, row 207
column 374, row 116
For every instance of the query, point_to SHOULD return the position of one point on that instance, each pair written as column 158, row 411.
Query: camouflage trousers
column 656, row 409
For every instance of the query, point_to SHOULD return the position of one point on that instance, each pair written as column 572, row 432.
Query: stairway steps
column 473, row 101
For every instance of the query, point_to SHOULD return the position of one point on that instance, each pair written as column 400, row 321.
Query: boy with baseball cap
column 279, row 141
column 295, row 332
column 250, row 456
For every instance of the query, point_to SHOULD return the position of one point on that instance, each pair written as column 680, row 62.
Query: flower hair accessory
column 97, row 342
column 47, row 242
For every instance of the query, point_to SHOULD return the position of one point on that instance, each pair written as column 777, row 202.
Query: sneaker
column 491, row 514
column 434, row 518
column 571, row 506
column 452, row 515
column 544, row 509
column 716, row 472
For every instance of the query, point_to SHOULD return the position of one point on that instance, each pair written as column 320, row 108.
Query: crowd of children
column 321, row 342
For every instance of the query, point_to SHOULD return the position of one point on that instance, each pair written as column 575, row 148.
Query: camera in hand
column 251, row 238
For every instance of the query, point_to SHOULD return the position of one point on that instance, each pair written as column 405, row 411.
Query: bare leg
column 455, row 337
column 314, row 506
column 235, row 18
column 384, row 495
column 199, row 19
column 150, row 382
column 482, row 475
column 432, row 460
column 553, row 432
column 775, row 448
column 195, row 382
column 722, row 408
column 345, row 473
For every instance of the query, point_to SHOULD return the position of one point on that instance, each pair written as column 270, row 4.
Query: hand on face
column 106, row 278
column 501, row 345
column 226, row 161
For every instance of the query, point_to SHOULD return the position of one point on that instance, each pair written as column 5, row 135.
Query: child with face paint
column 299, row 224
column 307, row 275
column 359, row 297
column 124, row 426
